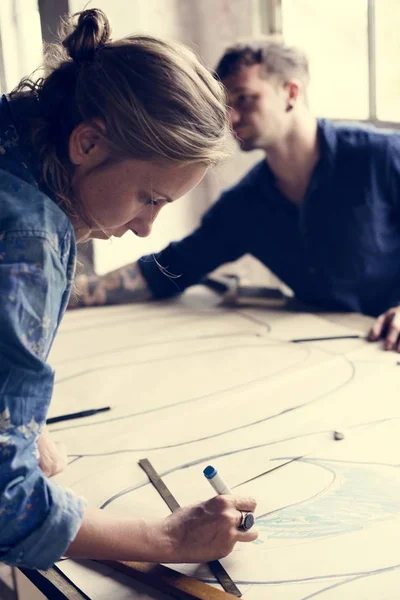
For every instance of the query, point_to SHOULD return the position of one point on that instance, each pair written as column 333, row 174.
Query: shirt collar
column 327, row 139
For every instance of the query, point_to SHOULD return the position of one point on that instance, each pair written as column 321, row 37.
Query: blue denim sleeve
column 38, row 519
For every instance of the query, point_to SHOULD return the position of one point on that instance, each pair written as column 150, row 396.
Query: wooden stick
column 167, row 580
column 214, row 565
column 54, row 584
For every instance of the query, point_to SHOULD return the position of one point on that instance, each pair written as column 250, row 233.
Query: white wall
column 221, row 23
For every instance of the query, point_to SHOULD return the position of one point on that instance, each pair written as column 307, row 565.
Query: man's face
column 258, row 107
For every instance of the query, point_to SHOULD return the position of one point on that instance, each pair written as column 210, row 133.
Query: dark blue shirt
column 339, row 250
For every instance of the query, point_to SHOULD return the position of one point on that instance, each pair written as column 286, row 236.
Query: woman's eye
column 151, row 202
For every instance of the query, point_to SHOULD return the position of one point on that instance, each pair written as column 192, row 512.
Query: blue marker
column 216, row 480
column 220, row 487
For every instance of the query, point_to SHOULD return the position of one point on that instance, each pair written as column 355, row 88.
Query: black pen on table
column 324, row 339
column 77, row 415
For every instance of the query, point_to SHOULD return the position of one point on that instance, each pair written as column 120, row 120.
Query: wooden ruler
column 167, row 580
column 54, row 584
column 215, row 566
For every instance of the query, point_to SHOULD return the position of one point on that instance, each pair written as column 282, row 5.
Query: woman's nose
column 141, row 227
column 142, row 224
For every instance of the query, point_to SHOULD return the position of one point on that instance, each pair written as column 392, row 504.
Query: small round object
column 247, row 521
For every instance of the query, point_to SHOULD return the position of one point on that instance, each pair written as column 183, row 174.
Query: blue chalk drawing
column 362, row 495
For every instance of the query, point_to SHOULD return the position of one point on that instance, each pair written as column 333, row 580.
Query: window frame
column 268, row 22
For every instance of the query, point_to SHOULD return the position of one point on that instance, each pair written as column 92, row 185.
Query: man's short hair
column 277, row 58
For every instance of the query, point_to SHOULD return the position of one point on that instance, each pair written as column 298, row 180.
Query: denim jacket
column 38, row 519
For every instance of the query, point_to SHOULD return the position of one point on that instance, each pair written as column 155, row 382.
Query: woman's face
column 124, row 195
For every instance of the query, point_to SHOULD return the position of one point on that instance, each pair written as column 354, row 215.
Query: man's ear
column 292, row 91
column 87, row 147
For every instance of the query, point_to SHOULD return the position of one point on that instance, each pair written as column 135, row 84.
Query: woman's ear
column 87, row 147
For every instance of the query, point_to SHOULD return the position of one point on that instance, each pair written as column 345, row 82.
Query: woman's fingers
column 248, row 536
column 246, row 503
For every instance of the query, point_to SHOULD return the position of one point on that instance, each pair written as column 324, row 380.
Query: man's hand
column 387, row 327
column 52, row 455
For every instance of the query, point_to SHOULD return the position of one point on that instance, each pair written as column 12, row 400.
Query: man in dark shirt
column 321, row 210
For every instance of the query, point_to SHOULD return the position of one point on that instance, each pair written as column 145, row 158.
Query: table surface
column 192, row 383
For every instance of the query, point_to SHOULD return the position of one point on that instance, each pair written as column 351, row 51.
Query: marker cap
column 210, row 472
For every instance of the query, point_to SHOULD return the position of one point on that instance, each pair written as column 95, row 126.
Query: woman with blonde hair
column 113, row 132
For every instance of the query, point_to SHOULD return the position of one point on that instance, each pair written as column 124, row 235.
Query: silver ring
column 247, row 521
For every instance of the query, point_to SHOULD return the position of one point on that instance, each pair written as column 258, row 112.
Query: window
column 20, row 41
column 387, row 47
column 354, row 52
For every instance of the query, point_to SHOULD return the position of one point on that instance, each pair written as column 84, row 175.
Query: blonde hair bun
column 88, row 31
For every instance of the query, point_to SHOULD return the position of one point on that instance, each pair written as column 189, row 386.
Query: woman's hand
column 208, row 531
column 193, row 534
column 52, row 455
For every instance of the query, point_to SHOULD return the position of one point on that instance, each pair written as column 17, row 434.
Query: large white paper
column 191, row 383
